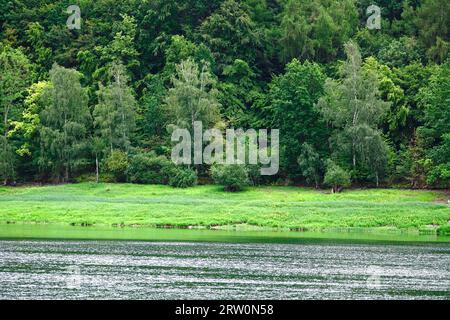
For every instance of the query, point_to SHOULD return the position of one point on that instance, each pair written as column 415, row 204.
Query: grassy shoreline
column 278, row 208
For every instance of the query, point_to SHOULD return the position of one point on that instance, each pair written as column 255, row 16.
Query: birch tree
column 193, row 96
column 353, row 106
column 115, row 113
column 65, row 122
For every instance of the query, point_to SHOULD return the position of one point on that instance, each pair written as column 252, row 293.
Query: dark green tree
column 14, row 78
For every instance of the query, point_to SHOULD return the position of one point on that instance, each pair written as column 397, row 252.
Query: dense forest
column 354, row 105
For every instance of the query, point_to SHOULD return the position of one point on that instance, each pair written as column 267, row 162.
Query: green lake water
column 57, row 262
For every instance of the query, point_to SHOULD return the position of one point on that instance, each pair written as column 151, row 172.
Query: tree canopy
column 373, row 101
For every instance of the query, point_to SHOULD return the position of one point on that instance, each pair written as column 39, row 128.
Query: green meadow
column 210, row 207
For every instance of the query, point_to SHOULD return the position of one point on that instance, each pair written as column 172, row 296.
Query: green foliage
column 237, row 93
column 230, row 33
column 183, row 178
column 336, row 177
column 435, row 98
column 292, row 97
column 233, row 177
column 310, row 164
column 148, row 168
column 434, row 28
column 114, row 115
column 148, row 66
column 354, row 107
column 402, row 52
column 193, row 96
column 14, row 77
column 316, row 29
column 117, row 164
column 64, row 124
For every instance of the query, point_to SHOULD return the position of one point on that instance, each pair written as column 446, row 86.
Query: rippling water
column 39, row 269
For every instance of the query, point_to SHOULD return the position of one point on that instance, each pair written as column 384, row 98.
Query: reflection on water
column 187, row 270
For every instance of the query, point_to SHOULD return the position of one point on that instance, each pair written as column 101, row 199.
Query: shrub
column 183, row 178
column 85, row 177
column 336, row 177
column 232, row 177
column 254, row 174
column 148, row 168
column 440, row 176
column 444, row 231
column 117, row 164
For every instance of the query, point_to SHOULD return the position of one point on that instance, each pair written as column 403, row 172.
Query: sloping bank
column 287, row 208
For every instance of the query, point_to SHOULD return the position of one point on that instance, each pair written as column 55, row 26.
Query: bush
column 336, row 177
column 117, row 164
column 444, row 231
column 439, row 176
column 85, row 177
column 254, row 174
column 183, row 178
column 232, row 177
column 148, row 168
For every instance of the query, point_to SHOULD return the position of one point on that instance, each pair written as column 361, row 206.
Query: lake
column 36, row 263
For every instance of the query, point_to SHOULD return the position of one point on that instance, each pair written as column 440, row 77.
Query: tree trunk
column 96, row 169
column 66, row 175
column 354, row 157
column 5, row 137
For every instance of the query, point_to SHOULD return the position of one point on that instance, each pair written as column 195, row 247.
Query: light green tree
column 193, row 96
column 64, row 124
column 336, row 177
column 353, row 106
column 115, row 113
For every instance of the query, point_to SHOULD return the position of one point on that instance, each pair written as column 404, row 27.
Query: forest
column 355, row 106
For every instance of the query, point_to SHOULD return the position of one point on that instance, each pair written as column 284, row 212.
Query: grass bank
column 208, row 206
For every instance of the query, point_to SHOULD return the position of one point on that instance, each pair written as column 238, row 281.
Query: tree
column 121, row 48
column 97, row 146
column 315, row 29
column 152, row 120
column 435, row 99
column 182, row 49
column 310, row 164
column 193, row 96
column 149, row 168
column 433, row 24
column 231, row 34
column 353, row 106
column 14, row 77
column 292, row 97
column 233, row 177
column 401, row 52
column 183, row 178
column 336, row 177
column 117, row 164
column 397, row 117
column 237, row 93
column 25, row 130
column 115, row 113
column 65, row 122
column 41, row 55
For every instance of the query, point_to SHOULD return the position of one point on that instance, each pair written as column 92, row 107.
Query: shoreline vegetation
column 268, row 208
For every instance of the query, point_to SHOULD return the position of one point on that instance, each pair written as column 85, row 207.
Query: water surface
column 298, row 268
